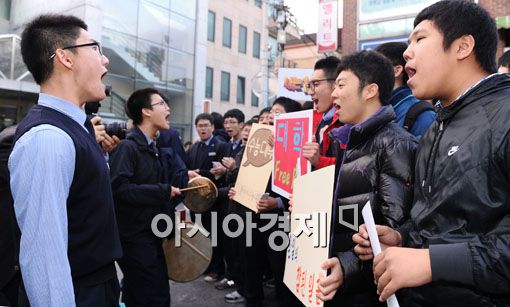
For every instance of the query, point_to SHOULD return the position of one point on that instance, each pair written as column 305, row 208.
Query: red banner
column 292, row 131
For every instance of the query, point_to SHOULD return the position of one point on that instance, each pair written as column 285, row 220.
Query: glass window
column 180, row 68
column 120, row 15
column 256, row 44
column 227, row 32
column 5, row 9
column 182, row 33
column 153, row 23
column 240, row 89
column 225, row 86
column 254, row 100
column 389, row 28
column 211, row 26
column 162, row 3
column 122, row 88
column 258, row 3
column 151, row 62
column 120, row 49
column 184, row 7
column 242, row 38
column 208, row 82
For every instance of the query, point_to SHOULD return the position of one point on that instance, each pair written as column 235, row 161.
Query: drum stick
column 193, row 188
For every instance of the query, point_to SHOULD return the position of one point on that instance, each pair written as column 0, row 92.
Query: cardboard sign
column 310, row 234
column 256, row 164
column 293, row 130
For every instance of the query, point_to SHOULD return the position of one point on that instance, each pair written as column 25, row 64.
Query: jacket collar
column 482, row 88
column 359, row 132
column 399, row 94
column 137, row 136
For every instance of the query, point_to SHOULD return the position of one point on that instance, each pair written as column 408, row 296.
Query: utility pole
column 264, row 57
column 281, row 21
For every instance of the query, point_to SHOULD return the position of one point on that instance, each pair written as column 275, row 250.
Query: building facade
column 369, row 23
column 235, row 44
column 150, row 43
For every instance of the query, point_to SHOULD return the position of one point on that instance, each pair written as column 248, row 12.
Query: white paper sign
column 368, row 217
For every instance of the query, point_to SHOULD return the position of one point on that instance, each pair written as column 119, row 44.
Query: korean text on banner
column 327, row 36
column 292, row 131
column 310, row 234
column 256, row 163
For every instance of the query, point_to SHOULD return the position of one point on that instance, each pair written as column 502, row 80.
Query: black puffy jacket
column 377, row 165
column 461, row 209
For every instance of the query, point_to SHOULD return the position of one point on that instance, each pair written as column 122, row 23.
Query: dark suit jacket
column 141, row 183
column 201, row 157
column 171, row 138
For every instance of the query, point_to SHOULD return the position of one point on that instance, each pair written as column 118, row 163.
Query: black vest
column 93, row 238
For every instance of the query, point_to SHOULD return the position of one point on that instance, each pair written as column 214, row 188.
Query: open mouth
column 410, row 71
column 315, row 100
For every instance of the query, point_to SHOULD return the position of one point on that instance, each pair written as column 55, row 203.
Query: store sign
column 380, row 9
column 374, row 43
column 327, row 38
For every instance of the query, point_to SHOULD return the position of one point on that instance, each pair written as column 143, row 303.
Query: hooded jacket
column 461, row 209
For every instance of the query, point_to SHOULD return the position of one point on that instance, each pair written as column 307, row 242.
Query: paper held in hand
column 368, row 217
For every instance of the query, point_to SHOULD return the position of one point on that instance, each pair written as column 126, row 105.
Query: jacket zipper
column 431, row 162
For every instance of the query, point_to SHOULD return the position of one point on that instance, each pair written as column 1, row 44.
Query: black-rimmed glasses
column 313, row 84
column 81, row 45
column 159, row 103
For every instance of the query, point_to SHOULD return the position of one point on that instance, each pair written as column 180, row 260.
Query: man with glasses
column 142, row 188
column 201, row 159
column 59, row 178
column 320, row 152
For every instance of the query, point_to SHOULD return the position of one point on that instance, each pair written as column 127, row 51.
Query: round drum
column 191, row 259
column 201, row 199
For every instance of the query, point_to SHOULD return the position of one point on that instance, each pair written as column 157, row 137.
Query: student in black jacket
column 377, row 164
column 142, row 188
column 202, row 158
column 454, row 249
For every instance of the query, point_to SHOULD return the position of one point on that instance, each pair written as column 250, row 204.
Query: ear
column 370, row 91
column 398, row 70
column 464, row 46
column 146, row 112
column 63, row 58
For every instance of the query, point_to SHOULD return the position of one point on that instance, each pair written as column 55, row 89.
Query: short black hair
column 371, row 67
column 456, row 18
column 251, row 122
column 504, row 60
column 265, row 110
column 235, row 113
column 308, row 105
column 205, row 116
column 217, row 120
column 139, row 100
column 290, row 105
column 329, row 65
column 394, row 51
column 42, row 36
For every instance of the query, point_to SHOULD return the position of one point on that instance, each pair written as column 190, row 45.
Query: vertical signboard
column 327, row 39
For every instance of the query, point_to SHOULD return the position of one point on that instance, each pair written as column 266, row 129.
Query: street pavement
column 199, row 293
